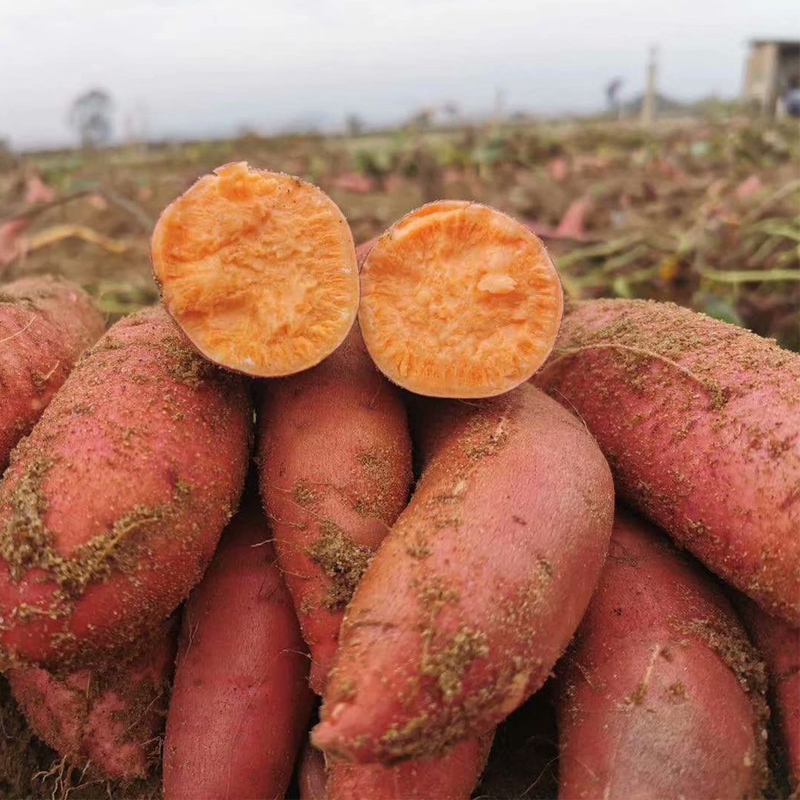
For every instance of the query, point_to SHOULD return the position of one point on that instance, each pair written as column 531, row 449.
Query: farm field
column 702, row 212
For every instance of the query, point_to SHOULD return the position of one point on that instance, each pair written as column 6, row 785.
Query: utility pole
column 649, row 100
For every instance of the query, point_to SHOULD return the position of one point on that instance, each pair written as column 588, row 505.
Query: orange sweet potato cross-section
column 459, row 300
column 259, row 269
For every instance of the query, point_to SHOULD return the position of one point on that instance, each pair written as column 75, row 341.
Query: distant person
column 791, row 100
column 612, row 96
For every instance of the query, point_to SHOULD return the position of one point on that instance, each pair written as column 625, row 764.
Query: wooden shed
column 773, row 68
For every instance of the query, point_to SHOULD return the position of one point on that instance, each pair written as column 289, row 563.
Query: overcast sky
column 211, row 67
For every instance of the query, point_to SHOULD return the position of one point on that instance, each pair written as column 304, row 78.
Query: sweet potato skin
column 700, row 422
column 451, row 776
column 107, row 722
column 780, row 645
column 362, row 250
column 112, row 507
column 661, row 693
column 240, row 702
column 311, row 775
column 45, row 325
column 334, row 471
column 480, row 584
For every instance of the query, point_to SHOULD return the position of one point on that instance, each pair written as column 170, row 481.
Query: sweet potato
column 259, row 269
column 240, row 703
column 480, row 584
column 780, row 646
column 451, row 776
column 329, row 515
column 661, row 693
column 700, row 422
column 112, row 507
column 335, row 470
column 107, row 722
column 44, row 326
column 459, row 300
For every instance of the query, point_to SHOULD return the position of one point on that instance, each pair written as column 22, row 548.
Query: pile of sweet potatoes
column 191, row 554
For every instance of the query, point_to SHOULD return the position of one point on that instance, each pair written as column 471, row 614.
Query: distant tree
column 90, row 115
column 354, row 125
column 422, row 119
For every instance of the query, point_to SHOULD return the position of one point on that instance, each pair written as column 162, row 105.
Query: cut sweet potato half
column 259, row 269
column 459, row 300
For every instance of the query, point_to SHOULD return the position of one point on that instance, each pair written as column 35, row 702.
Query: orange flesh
column 459, row 300
column 259, row 269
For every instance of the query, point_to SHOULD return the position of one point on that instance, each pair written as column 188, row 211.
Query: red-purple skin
column 700, row 422
column 113, row 506
column 479, row 586
column 334, row 459
column 311, row 776
column 45, row 324
column 661, row 693
column 108, row 723
column 451, row 776
column 240, row 703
